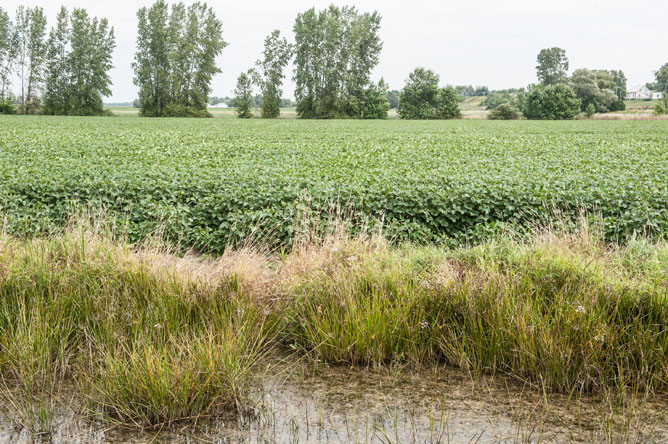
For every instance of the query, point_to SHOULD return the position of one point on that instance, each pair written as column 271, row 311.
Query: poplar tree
column 30, row 32
column 243, row 96
column 57, row 85
column 175, row 59
column 80, row 56
column 22, row 26
column 8, row 51
column 268, row 74
column 36, row 45
column 92, row 43
column 335, row 51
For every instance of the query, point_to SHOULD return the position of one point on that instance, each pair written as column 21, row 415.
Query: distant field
column 640, row 106
column 216, row 180
column 216, row 112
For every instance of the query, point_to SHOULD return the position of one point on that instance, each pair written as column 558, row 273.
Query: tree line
column 560, row 96
column 334, row 52
column 69, row 67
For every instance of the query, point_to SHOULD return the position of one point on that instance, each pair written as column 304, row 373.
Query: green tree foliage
column 553, row 102
column 80, row 56
column 58, row 86
column 335, row 51
column 36, row 57
column 615, row 81
column 8, row 52
column 504, row 111
column 470, row 91
column 243, row 96
column 422, row 98
column 661, row 77
column 393, row 98
column 7, row 105
column 31, row 30
column 587, row 85
column 22, row 30
column 496, row 98
column 552, row 66
column 660, row 108
column 268, row 74
column 481, row 91
column 619, row 78
column 176, row 58
column 374, row 103
column 465, row 90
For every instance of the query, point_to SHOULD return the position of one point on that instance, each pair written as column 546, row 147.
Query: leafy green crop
column 215, row 181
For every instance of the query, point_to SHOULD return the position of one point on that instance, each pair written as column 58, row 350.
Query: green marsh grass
column 563, row 311
column 150, row 338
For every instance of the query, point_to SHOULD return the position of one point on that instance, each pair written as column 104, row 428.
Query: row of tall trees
column 70, row 68
column 335, row 51
column 176, row 58
column 22, row 53
column 79, row 51
column 560, row 96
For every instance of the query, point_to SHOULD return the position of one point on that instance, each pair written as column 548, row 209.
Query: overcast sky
column 478, row 42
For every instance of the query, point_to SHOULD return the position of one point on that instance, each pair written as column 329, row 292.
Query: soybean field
column 210, row 182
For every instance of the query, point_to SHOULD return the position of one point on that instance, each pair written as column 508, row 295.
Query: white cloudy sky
column 478, row 42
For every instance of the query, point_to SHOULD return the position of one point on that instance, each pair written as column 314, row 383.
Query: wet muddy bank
column 334, row 404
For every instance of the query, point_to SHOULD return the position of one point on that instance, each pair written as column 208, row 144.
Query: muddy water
column 340, row 405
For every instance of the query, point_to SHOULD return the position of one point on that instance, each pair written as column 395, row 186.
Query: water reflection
column 340, row 405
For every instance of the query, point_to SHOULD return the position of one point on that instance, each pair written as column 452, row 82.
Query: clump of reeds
column 149, row 338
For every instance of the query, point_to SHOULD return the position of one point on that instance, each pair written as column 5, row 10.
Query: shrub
column 618, row 105
column 554, row 102
column 505, row 111
column 590, row 110
column 660, row 109
column 7, row 106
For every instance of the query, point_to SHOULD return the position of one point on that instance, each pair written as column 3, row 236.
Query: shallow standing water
column 342, row 405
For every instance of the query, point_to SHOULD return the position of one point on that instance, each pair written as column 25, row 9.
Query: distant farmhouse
column 219, row 105
column 641, row 92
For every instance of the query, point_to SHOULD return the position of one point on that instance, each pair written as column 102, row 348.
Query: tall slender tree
column 552, row 66
column 8, row 51
column 176, row 58
column 268, row 72
column 22, row 30
column 36, row 57
column 151, row 65
column 57, row 84
column 30, row 32
column 243, row 96
column 92, row 43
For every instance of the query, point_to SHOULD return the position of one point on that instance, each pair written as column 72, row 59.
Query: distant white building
column 219, row 105
column 641, row 92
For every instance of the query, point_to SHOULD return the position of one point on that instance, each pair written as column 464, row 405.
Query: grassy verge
column 152, row 338
column 146, row 340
